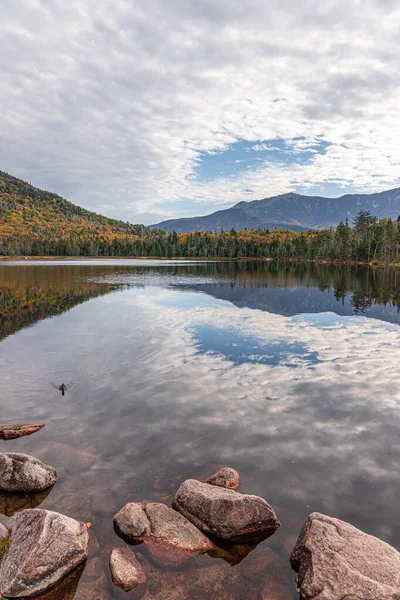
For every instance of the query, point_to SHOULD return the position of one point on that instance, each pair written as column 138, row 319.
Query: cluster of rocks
column 334, row 560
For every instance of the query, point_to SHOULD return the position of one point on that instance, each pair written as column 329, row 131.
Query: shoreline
column 338, row 263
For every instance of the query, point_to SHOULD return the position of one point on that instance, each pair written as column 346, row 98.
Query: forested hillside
column 35, row 222
column 370, row 240
column 38, row 223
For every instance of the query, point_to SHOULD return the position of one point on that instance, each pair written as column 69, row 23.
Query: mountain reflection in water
column 273, row 369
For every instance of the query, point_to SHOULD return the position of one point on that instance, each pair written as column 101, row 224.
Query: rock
column 70, row 497
column 224, row 513
column 3, row 533
column 103, row 502
column 234, row 552
column 12, row 432
column 132, row 521
column 273, row 590
column 219, row 581
column 12, row 503
column 225, row 477
column 126, row 570
column 335, row 560
column 45, row 546
column 73, row 459
column 94, row 568
column 93, row 590
column 66, row 589
column 24, row 473
column 169, row 536
column 94, row 545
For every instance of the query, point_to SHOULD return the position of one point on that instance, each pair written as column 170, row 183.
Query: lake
column 287, row 372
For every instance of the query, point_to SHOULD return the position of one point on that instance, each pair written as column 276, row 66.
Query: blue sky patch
column 244, row 155
column 240, row 348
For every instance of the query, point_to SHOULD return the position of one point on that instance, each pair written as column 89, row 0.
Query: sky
column 158, row 109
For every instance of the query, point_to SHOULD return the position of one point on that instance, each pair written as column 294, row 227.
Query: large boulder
column 224, row 513
column 44, row 547
column 170, row 537
column 24, row 473
column 335, row 560
column 126, row 570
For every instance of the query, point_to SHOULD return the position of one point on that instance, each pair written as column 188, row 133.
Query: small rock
column 12, row 432
column 225, row 477
column 3, row 533
column 224, row 513
column 126, row 571
column 93, row 590
column 169, row 536
column 94, row 545
column 335, row 560
column 24, row 473
column 45, row 546
column 132, row 521
column 94, row 568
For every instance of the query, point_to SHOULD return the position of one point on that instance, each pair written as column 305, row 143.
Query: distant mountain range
column 291, row 211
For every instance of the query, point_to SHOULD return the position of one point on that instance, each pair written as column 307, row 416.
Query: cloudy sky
column 145, row 110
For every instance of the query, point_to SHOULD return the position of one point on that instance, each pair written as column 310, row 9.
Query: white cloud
column 110, row 103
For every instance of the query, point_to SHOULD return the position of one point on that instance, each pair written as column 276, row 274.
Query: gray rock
column 3, row 533
column 24, row 473
column 132, row 521
column 225, row 477
column 126, row 570
column 169, row 536
column 45, row 546
column 335, row 561
column 224, row 513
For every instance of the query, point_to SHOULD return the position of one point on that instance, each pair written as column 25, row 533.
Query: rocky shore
column 43, row 553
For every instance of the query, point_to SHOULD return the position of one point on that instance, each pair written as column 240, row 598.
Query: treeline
column 368, row 240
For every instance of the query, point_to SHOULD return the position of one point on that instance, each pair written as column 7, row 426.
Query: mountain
column 27, row 212
column 291, row 211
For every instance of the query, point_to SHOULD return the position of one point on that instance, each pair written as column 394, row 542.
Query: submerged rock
column 24, row 473
column 252, row 580
column 69, row 457
column 44, row 547
column 225, row 477
column 126, row 570
column 335, row 560
column 224, row 513
column 10, row 503
column 66, row 589
column 169, row 536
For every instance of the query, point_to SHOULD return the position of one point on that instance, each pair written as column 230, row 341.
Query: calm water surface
column 289, row 373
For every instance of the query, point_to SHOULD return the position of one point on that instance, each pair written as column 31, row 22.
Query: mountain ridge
column 296, row 212
column 34, row 221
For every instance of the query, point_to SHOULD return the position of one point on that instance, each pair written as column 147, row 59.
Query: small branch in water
column 12, row 432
